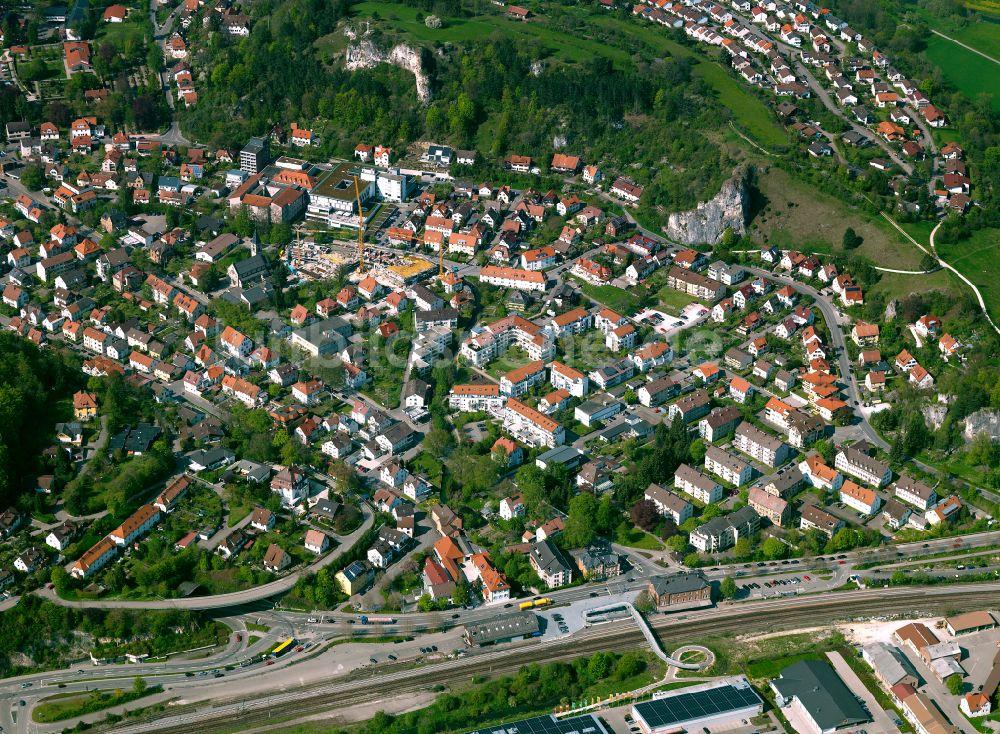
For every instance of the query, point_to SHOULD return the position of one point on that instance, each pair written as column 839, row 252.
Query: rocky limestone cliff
column 706, row 223
column 364, row 55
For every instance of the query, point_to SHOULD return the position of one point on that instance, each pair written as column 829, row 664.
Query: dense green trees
column 32, row 383
column 45, row 633
column 533, row 689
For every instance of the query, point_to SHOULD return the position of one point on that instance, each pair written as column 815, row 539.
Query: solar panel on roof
column 585, row 724
column 682, row 707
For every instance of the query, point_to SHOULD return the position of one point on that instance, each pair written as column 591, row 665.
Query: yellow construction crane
column 441, row 265
column 361, row 228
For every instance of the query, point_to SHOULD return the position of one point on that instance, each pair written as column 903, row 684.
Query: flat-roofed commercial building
column 714, row 704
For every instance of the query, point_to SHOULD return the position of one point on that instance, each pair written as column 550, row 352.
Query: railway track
column 358, row 688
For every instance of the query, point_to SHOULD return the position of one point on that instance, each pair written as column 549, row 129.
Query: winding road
column 234, row 599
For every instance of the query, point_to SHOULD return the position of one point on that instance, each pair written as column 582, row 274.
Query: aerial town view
column 463, row 367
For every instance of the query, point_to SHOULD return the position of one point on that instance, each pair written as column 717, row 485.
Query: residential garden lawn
column 749, row 112
column 427, row 464
column 978, row 259
column 71, row 705
column 121, row 33
column 640, row 539
column 510, row 360
column 674, row 300
column 585, row 351
column 969, row 72
column 615, row 298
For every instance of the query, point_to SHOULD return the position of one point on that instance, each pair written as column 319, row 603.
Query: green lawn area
column 71, row 705
column 968, row 71
column 674, row 300
column 566, row 46
column 750, row 113
column 898, row 285
column 427, row 464
column 121, row 34
column 510, row 360
column 613, row 297
column 978, row 259
column 982, row 36
column 640, row 539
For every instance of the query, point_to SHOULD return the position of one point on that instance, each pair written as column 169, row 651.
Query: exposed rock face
column 982, row 421
column 706, row 223
column 365, row 55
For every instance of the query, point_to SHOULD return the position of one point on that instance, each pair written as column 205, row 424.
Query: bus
column 377, row 620
column 283, row 648
column 526, row 605
column 543, row 602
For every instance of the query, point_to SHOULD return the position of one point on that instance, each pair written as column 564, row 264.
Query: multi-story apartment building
column 721, row 533
column 730, row 467
column 864, row 500
column 916, row 493
column 518, row 381
column 813, row 518
column 761, row 446
column 474, row 398
column 564, row 377
column 860, row 465
column 669, row 504
column 691, row 481
column 489, row 342
column 768, row 505
column 695, row 285
column 530, row 426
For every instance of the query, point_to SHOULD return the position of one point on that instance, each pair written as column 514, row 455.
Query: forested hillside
column 32, row 383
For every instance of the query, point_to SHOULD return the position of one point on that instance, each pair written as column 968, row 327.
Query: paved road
column 834, row 321
column 291, row 689
column 234, row 599
column 792, row 54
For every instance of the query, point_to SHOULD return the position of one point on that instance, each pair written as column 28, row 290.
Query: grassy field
column 968, row 72
column 613, row 297
column 640, row 539
column 982, row 36
column 750, row 113
column 69, row 705
column 673, row 300
column 896, row 285
column 978, row 259
column 566, row 46
column 800, row 217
